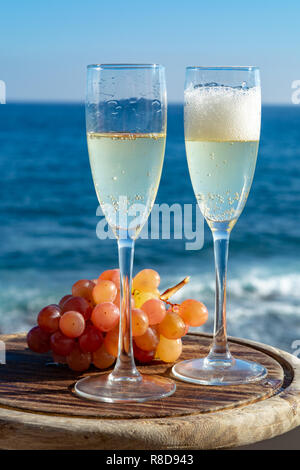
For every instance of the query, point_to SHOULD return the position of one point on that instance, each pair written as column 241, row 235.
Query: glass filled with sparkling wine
column 126, row 108
column 222, row 115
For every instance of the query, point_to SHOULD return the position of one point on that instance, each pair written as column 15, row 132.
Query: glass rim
column 242, row 68
column 124, row 66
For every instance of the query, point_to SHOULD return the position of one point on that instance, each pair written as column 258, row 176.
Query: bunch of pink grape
column 83, row 329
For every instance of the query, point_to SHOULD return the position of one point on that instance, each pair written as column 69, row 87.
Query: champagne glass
column 222, row 117
column 126, row 109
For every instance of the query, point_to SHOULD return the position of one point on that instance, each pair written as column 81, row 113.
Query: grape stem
column 172, row 290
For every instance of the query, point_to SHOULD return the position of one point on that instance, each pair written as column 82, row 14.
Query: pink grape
column 64, row 299
column 148, row 341
column 48, row 318
column 168, row 350
column 155, row 310
column 84, row 288
column 111, row 275
column 38, row 340
column 61, row 344
column 140, row 322
column 111, row 342
column 91, row 339
column 107, row 275
column 72, row 324
column 105, row 316
column 141, row 297
column 102, row 359
column 104, row 291
column 78, row 360
column 172, row 326
column 77, row 304
column 146, row 280
column 193, row 312
column 143, row 356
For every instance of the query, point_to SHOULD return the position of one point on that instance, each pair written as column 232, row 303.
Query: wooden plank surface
column 39, row 410
column 28, row 383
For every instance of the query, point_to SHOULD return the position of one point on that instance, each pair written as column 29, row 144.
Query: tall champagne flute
column 222, row 127
column 126, row 131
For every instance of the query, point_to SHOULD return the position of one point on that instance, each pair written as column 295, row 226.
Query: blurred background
column 48, row 204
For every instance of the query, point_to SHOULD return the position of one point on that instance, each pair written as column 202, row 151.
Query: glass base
column 206, row 372
column 102, row 388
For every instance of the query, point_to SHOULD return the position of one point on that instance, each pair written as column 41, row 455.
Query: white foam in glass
column 221, row 113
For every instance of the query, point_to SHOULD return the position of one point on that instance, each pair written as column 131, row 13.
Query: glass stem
column 219, row 353
column 125, row 369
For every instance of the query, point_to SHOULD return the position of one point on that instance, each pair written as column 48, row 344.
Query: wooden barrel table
column 39, row 410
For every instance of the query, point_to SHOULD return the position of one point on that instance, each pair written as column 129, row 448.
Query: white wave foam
column 267, row 287
column 222, row 113
column 249, row 291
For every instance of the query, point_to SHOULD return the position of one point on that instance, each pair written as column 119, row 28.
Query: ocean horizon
column 48, row 214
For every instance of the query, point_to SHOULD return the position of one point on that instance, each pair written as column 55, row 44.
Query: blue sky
column 46, row 45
